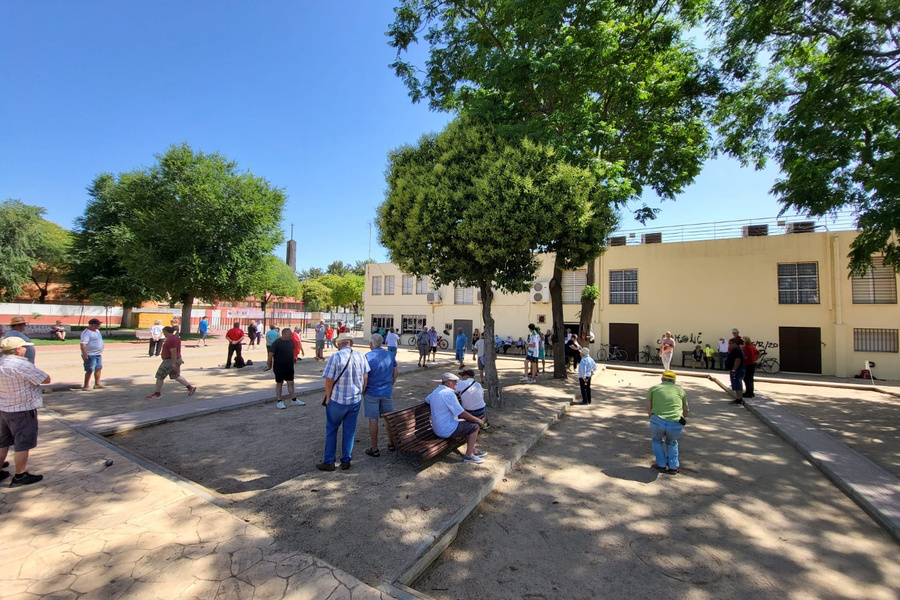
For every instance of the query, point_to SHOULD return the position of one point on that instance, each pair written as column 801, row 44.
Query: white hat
column 13, row 342
column 344, row 337
column 449, row 377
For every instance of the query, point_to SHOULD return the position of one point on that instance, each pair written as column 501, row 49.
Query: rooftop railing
column 720, row 230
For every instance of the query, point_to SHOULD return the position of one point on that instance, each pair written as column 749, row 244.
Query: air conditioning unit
column 540, row 292
column 801, row 227
column 433, row 297
column 651, row 238
column 618, row 240
column 754, row 230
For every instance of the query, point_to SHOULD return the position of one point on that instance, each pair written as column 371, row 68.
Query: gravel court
column 583, row 515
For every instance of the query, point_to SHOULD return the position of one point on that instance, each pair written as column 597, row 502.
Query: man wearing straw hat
column 17, row 329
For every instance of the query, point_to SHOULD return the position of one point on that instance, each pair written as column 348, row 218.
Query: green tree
column 465, row 208
column 611, row 85
column 360, row 267
column 814, row 85
column 275, row 279
column 316, row 296
column 310, row 273
column 197, row 227
column 50, row 252
column 338, row 268
column 348, row 292
column 18, row 222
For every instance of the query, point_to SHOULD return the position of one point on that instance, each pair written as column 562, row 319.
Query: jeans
column 737, row 380
column 665, row 436
column 585, row 389
column 337, row 415
column 749, row 372
column 156, row 347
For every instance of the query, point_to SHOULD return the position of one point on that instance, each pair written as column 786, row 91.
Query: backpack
column 239, row 362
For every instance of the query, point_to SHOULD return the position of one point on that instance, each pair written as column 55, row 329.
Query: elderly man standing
column 17, row 329
column 379, row 397
column 450, row 420
column 320, row 341
column 666, row 406
column 20, row 397
column 346, row 373
column 91, row 354
column 235, row 337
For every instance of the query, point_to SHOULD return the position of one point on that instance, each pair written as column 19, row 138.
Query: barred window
column 408, row 284
column 623, row 286
column 573, row 283
column 376, row 286
column 875, row 340
column 798, row 283
column 389, row 285
column 422, row 285
column 464, row 295
column 412, row 323
column 877, row 286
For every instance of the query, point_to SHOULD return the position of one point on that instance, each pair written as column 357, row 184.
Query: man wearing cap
column 586, row 369
column 91, row 351
column 17, row 329
column 20, row 397
column 346, row 373
column 379, row 396
column 450, row 420
column 666, row 406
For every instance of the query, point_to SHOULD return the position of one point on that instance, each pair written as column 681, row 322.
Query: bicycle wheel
column 621, row 355
column 442, row 344
column 411, row 341
column 774, row 367
column 602, row 354
column 644, row 357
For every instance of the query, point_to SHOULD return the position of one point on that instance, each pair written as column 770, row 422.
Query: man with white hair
column 320, row 341
column 450, row 420
column 379, row 396
column 346, row 374
column 586, row 368
column 20, row 397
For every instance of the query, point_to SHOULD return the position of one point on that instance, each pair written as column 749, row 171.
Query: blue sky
column 297, row 92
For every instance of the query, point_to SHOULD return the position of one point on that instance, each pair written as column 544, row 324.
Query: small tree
column 51, row 256
column 275, row 279
column 316, row 296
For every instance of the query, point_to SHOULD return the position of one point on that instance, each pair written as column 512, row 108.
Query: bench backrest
column 410, row 423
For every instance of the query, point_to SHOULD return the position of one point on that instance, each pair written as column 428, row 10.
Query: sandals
column 374, row 453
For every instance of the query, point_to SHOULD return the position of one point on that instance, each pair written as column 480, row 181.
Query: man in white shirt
column 391, row 340
column 478, row 356
column 471, row 395
column 91, row 351
column 450, row 420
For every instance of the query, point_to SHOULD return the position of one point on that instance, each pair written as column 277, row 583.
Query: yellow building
column 784, row 285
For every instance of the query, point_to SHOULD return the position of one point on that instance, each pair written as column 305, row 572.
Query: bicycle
column 647, row 356
column 442, row 343
column 767, row 365
column 611, row 353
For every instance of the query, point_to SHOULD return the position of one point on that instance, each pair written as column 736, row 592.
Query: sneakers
column 531, row 381
column 25, row 478
column 345, row 466
column 737, row 402
column 99, row 387
column 295, row 402
column 280, row 404
column 480, row 453
column 473, row 459
column 658, row 468
column 526, row 378
column 154, row 395
column 191, row 390
column 323, row 466
column 486, row 426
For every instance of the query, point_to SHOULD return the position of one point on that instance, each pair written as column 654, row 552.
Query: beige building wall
column 699, row 290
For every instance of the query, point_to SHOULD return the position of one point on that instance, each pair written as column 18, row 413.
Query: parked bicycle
column 442, row 343
column 608, row 352
column 767, row 365
column 647, row 356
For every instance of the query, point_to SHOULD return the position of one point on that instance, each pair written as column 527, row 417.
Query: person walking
column 461, row 343
column 251, row 334
column 17, row 327
column 92, row 354
column 20, row 397
column 751, row 355
column 667, row 350
column 282, row 356
column 379, row 396
column 171, row 364
column 392, row 340
column 734, row 362
column 156, row 338
column 298, row 344
column 235, row 337
column 423, row 343
column 667, row 406
column 346, row 373
column 586, row 369
column 203, row 328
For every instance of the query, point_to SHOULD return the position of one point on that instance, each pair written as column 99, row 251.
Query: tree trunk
column 262, row 304
column 187, row 304
column 126, row 317
column 493, row 393
column 587, row 307
column 559, row 327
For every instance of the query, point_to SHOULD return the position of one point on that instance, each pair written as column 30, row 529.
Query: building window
column 877, row 286
column 388, row 285
column 408, row 284
column 623, row 286
column 573, row 283
column 412, row 323
column 875, row 340
column 798, row 283
column 380, row 322
column 464, row 295
column 422, row 285
column 376, row 286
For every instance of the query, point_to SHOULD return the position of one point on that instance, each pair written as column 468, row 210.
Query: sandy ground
column 582, row 516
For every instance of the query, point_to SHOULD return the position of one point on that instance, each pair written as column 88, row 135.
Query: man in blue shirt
column 203, row 328
column 345, row 376
column 461, row 342
column 378, row 399
column 17, row 329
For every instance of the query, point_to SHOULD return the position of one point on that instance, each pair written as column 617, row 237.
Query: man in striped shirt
column 20, row 397
column 346, row 374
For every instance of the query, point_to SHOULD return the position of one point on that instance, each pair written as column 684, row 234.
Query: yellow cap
column 670, row 375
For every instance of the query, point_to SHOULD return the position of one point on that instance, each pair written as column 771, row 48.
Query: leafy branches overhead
column 815, row 85
column 20, row 240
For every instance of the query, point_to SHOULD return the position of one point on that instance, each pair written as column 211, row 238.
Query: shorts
column 392, row 350
column 481, row 363
column 465, row 429
column 203, row 335
column 282, row 375
column 424, row 350
column 19, row 429
column 93, row 363
column 320, row 344
column 737, row 380
column 460, row 353
column 375, row 406
column 167, row 368
column 532, row 359
column 478, row 412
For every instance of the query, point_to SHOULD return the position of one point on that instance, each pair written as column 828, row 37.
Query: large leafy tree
column 610, row 84
column 19, row 223
column 466, row 208
column 276, row 279
column 316, row 295
column 814, row 85
column 51, row 252
column 196, row 227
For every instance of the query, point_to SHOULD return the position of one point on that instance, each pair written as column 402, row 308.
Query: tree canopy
column 275, row 279
column 814, row 85
column 33, row 249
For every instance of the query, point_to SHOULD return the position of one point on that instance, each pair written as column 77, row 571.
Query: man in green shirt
column 666, row 405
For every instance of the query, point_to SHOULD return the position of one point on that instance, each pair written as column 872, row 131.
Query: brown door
column 800, row 349
column 625, row 336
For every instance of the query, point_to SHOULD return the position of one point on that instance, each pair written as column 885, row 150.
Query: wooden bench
column 409, row 430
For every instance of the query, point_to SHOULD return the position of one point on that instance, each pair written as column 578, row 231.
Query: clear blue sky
column 297, row 92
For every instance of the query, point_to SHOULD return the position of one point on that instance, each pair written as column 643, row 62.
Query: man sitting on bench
column 449, row 420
